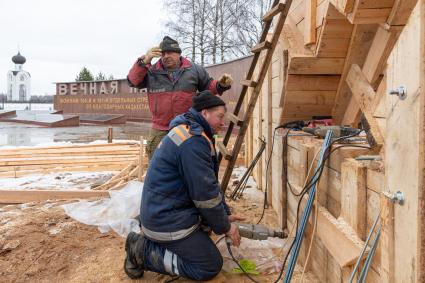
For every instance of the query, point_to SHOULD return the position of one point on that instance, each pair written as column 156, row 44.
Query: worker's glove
column 152, row 53
column 233, row 234
column 224, row 83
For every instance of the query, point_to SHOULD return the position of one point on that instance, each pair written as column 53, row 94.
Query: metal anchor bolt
column 401, row 92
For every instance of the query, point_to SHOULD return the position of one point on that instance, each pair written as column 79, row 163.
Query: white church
column 18, row 81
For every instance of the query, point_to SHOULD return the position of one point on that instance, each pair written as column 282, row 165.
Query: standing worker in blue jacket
column 181, row 192
column 171, row 83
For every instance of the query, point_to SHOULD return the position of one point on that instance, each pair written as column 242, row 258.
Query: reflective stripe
column 208, row 203
column 179, row 134
column 168, row 261
column 175, row 268
column 169, row 236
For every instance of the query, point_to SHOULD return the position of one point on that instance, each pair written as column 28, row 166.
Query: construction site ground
column 40, row 243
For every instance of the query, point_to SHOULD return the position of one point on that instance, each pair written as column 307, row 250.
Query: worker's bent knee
column 210, row 270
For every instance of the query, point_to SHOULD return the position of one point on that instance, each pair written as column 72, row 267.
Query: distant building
column 18, row 81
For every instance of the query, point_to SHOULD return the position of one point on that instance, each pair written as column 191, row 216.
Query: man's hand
column 233, row 234
column 233, row 218
column 152, row 53
column 225, row 80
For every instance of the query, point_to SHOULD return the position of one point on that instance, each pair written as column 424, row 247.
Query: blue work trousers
column 195, row 257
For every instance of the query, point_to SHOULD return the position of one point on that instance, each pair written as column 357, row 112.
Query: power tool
column 337, row 131
column 258, row 231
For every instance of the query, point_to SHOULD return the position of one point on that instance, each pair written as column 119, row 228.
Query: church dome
column 18, row 59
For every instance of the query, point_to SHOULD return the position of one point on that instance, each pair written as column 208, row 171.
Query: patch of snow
column 56, row 181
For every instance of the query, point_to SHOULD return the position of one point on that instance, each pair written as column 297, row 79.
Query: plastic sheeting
column 267, row 254
column 117, row 212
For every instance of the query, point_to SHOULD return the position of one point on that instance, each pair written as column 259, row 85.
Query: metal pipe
column 356, row 266
column 366, row 266
column 307, row 211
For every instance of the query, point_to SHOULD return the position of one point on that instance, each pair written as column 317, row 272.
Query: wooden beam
column 248, row 83
column 273, row 12
column 310, row 22
column 344, row 6
column 223, row 150
column 379, row 52
column 353, row 196
column 361, row 40
column 363, row 94
column 261, row 46
column 386, row 241
column 401, row 11
column 235, row 119
column 312, row 82
column 309, row 65
column 24, row 196
column 337, row 235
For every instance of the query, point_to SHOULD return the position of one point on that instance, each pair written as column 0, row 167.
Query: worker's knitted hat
column 169, row 44
column 205, row 99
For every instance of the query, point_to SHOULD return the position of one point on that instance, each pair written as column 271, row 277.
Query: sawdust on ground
column 39, row 243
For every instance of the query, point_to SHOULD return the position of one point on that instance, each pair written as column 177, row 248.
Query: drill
column 258, row 231
column 337, row 131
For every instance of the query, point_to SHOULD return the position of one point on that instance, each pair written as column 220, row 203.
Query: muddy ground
column 39, row 243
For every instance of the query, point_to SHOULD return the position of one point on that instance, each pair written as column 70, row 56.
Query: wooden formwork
column 341, row 58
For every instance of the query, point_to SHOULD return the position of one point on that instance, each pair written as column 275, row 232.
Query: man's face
column 170, row 60
column 215, row 117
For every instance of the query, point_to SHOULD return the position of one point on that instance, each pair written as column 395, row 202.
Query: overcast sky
column 59, row 37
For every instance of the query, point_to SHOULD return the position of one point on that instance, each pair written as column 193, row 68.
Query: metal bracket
column 401, row 92
column 397, row 197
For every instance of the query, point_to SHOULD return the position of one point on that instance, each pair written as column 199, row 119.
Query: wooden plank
column 310, row 22
column 361, row 40
column 223, row 150
column 401, row 12
column 353, row 199
column 375, row 180
column 364, row 93
column 312, row 97
column 369, row 16
column 236, row 120
column 373, row 4
column 248, row 83
column 303, row 65
column 381, row 48
column 273, row 12
column 261, row 46
column 332, row 47
column 65, row 160
column 311, row 82
column 344, row 6
column 386, row 240
column 24, row 196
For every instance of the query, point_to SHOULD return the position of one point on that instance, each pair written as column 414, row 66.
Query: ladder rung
column 223, row 150
column 263, row 45
column 249, row 83
column 273, row 12
column 235, row 119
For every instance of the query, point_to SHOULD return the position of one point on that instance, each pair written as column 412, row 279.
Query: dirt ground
column 39, row 243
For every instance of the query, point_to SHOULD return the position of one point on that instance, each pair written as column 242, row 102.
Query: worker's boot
column 133, row 263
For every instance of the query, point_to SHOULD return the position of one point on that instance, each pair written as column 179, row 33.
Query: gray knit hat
column 170, row 45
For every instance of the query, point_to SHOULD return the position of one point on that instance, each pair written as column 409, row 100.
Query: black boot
column 133, row 263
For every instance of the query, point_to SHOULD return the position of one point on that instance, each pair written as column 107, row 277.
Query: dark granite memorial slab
column 103, row 119
column 42, row 119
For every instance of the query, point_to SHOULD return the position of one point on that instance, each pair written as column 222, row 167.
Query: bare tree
column 216, row 30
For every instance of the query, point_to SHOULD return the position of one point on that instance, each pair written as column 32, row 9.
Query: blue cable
column 307, row 212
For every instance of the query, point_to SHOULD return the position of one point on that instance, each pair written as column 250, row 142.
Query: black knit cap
column 205, row 99
column 170, row 45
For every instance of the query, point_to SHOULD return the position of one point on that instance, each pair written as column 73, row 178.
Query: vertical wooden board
column 333, row 271
column 353, row 209
column 310, row 22
column 319, row 258
column 404, row 146
column 387, row 240
column 277, row 176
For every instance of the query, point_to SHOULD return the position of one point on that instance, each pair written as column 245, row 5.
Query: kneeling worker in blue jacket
column 181, row 193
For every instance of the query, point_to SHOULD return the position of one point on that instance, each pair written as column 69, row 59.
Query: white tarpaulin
column 117, row 212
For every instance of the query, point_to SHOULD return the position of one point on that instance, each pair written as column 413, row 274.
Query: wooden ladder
column 280, row 10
